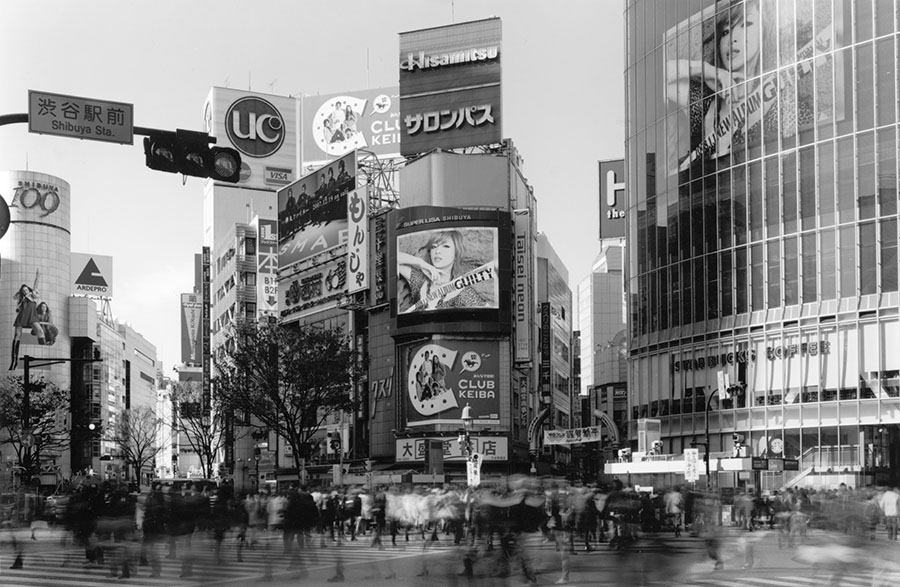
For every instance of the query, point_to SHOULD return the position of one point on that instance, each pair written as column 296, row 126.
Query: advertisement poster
column 337, row 124
column 717, row 78
column 522, row 275
column 447, row 268
column 490, row 448
column 446, row 375
column 312, row 211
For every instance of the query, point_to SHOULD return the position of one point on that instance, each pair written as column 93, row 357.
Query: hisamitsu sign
column 80, row 118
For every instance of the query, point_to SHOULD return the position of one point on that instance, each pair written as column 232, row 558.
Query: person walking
column 890, row 507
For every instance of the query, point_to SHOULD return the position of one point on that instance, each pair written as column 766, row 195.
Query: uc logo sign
column 254, row 127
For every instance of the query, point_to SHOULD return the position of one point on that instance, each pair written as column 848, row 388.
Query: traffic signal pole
column 27, row 435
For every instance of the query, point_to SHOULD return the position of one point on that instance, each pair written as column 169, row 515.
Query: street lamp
column 726, row 393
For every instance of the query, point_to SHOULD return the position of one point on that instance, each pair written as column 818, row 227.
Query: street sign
column 691, row 458
column 80, row 118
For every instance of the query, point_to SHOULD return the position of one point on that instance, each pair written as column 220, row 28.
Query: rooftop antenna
column 272, row 86
column 249, row 87
column 452, row 10
column 226, row 82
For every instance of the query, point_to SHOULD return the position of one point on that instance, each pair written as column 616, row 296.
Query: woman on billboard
column 26, row 317
column 439, row 278
column 718, row 108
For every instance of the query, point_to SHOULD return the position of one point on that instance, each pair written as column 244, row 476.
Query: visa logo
column 278, row 176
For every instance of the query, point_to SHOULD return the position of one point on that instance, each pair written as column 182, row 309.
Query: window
column 249, row 245
column 248, row 278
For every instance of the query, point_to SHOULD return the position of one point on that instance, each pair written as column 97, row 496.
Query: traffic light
column 188, row 152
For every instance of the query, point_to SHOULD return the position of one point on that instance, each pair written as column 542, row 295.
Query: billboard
column 266, row 267
column 312, row 211
column 450, row 92
column 191, row 328
column 447, row 259
column 262, row 127
column 445, row 375
column 337, row 124
column 721, row 79
column 91, row 275
column 317, row 286
column 612, row 198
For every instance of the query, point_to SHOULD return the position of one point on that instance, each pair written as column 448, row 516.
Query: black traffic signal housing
column 189, row 153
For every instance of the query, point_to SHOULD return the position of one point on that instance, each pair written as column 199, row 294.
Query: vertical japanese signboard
column 207, row 351
column 522, row 276
column 545, row 351
column 691, row 460
column 267, row 268
column 358, row 243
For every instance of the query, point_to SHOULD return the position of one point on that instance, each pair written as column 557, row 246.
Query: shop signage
column 381, row 389
column 93, row 275
column 711, row 361
column 311, row 288
column 491, row 448
column 759, row 464
column 791, row 465
column 545, row 351
column 791, row 350
column 612, row 198
column 691, row 464
column 358, row 243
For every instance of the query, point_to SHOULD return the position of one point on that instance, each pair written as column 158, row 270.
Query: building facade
column 761, row 154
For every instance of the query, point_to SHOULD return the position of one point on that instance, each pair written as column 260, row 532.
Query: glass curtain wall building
column 761, row 146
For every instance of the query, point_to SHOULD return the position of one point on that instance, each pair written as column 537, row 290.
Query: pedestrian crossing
column 51, row 566
column 857, row 579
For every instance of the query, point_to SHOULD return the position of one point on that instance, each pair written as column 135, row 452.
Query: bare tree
column 135, row 433
column 203, row 429
column 47, row 431
column 289, row 378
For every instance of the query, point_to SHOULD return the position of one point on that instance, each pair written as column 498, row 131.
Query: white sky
column 563, row 106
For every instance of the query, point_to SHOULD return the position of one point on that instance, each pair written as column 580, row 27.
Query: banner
column 91, row 275
column 445, row 375
column 191, row 334
column 358, row 245
column 572, row 435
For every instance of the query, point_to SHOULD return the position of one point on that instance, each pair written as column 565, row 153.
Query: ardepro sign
column 450, row 93
column 263, row 128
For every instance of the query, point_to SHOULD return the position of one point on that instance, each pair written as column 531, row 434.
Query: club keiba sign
column 443, row 376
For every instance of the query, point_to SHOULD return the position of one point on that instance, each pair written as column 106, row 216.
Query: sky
column 563, row 106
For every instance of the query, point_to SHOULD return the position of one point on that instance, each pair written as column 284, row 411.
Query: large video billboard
column 445, row 375
column 722, row 81
column 262, row 127
column 450, row 92
column 336, row 124
column 312, row 211
column 447, row 259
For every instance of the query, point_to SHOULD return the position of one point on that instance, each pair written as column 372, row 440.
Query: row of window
column 835, row 182
column 832, row 264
